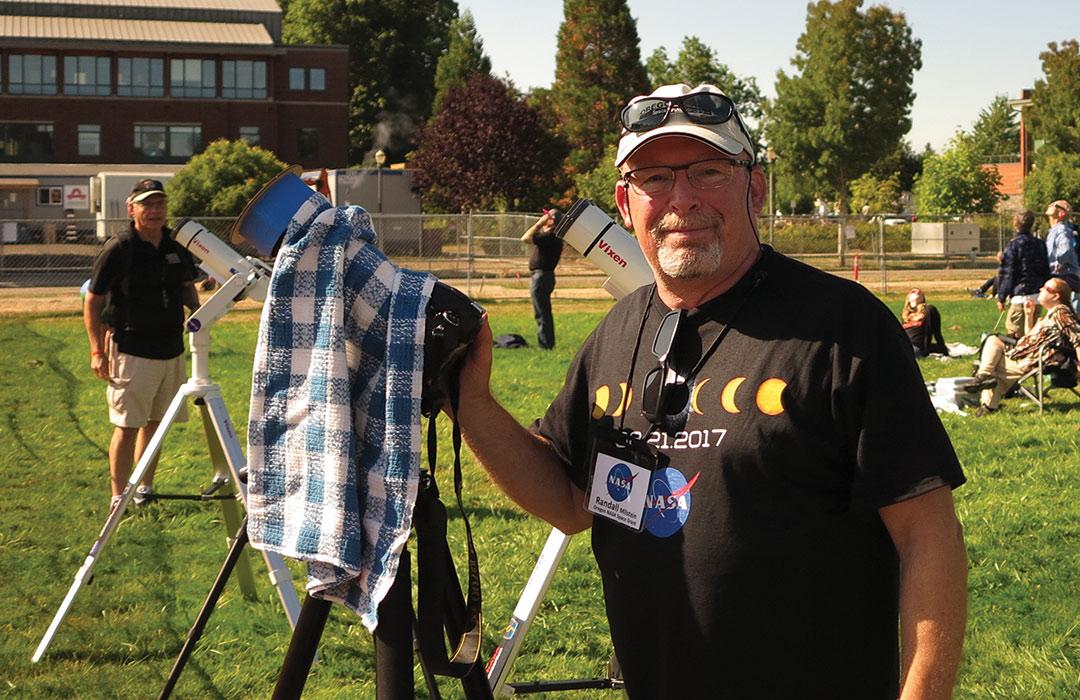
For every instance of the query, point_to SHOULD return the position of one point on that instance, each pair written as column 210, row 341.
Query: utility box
column 945, row 238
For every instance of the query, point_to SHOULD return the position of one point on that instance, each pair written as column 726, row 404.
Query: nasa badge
column 618, row 491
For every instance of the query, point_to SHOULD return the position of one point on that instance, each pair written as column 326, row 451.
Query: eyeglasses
column 699, row 107
column 659, row 396
column 703, row 175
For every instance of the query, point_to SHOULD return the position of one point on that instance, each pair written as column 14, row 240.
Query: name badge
column 620, row 470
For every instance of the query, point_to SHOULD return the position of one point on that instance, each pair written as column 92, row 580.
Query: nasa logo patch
column 667, row 505
column 620, row 482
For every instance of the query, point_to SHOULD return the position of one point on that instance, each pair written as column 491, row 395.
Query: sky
column 971, row 52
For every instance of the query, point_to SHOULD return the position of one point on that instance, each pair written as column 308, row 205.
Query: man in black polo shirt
column 547, row 249
column 145, row 279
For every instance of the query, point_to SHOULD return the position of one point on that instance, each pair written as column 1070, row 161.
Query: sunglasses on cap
column 660, row 396
column 699, row 107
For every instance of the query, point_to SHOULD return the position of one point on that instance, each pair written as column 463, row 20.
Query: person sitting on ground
column 922, row 322
column 1001, row 367
column 1024, row 267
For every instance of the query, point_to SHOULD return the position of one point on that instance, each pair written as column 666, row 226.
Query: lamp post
column 770, row 158
column 380, row 160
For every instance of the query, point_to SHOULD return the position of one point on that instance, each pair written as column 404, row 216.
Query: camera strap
column 442, row 611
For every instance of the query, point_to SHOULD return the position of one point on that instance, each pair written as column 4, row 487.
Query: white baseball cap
column 730, row 136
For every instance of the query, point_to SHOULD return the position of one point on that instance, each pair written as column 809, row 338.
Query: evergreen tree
column 996, row 133
column 597, row 69
column 486, row 149
column 463, row 58
column 1055, row 101
column 393, row 49
column 696, row 64
column 848, row 103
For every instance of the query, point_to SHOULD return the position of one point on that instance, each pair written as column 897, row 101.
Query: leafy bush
column 221, row 180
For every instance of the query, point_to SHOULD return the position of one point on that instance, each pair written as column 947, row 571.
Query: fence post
column 884, row 262
column 468, row 252
column 841, row 244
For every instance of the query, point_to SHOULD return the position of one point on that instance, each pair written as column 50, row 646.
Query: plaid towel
column 334, row 434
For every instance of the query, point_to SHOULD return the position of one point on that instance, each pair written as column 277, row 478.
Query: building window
column 87, row 75
column 89, row 139
column 140, row 77
column 308, row 143
column 192, row 77
column 26, row 143
column 50, row 196
column 167, row 142
column 317, row 79
column 244, row 80
column 30, row 74
column 250, row 134
column 296, row 79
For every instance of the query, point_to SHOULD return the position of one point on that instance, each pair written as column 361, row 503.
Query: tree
column 486, row 149
column 848, row 104
column 599, row 183
column 597, row 69
column 696, row 64
column 1055, row 176
column 1055, row 101
column 463, row 58
column 996, row 132
column 393, row 49
column 221, row 180
column 878, row 196
column 955, row 182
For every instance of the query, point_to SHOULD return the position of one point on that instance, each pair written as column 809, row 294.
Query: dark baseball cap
column 145, row 188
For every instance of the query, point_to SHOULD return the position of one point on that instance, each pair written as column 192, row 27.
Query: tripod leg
column 280, row 576
column 111, row 523
column 505, row 654
column 394, row 638
column 207, row 609
column 302, row 646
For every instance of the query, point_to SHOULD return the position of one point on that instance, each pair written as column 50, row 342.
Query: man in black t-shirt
column 145, row 278
column 547, row 249
column 750, row 440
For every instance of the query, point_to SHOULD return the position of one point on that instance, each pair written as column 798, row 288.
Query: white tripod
column 249, row 280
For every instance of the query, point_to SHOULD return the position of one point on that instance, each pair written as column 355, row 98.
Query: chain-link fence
column 487, row 246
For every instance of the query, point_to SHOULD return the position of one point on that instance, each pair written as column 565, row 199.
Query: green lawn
column 124, row 630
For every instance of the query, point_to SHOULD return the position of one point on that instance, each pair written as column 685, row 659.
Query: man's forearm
column 523, row 466
column 933, row 599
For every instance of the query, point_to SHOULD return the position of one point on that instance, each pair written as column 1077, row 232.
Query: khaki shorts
column 140, row 390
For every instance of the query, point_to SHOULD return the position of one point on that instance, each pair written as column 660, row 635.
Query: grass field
column 1019, row 509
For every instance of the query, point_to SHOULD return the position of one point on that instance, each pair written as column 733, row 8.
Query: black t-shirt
column 764, row 569
column 547, row 249
column 146, row 285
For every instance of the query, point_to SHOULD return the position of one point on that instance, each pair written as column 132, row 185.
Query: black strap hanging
column 441, row 607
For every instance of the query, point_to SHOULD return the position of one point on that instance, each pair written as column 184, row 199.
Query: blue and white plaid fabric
column 334, row 434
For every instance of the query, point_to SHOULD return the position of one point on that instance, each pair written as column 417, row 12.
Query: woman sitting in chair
column 922, row 322
column 1001, row 367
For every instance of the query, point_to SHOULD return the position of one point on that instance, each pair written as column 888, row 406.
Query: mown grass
column 119, row 640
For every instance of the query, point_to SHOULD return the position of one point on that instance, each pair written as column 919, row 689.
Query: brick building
column 132, row 83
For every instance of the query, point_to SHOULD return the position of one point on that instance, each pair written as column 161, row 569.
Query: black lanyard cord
column 633, row 360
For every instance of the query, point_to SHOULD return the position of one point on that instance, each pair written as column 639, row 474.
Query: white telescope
column 220, row 261
column 607, row 245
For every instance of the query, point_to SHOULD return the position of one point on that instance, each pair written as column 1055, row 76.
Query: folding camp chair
column 1043, row 377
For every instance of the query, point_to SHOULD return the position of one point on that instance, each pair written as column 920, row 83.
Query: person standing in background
column 546, row 251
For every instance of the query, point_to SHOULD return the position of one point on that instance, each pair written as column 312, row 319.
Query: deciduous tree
column 597, row 69
column 1055, row 101
column 875, row 196
column 954, row 182
column 464, row 57
column 393, row 49
column 486, row 149
column 220, row 180
column 847, row 104
column 1055, row 176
